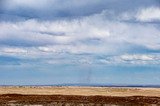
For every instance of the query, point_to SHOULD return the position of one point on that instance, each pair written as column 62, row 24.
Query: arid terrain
column 78, row 96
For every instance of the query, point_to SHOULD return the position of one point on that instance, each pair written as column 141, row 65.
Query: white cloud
column 140, row 59
column 13, row 50
column 87, row 29
column 94, row 35
column 132, row 59
column 137, row 57
column 148, row 14
column 56, row 32
column 145, row 14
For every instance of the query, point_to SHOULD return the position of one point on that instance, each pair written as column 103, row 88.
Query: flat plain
column 78, row 96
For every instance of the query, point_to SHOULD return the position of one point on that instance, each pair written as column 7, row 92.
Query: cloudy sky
column 79, row 41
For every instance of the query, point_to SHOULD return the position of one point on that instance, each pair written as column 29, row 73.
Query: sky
column 106, row 42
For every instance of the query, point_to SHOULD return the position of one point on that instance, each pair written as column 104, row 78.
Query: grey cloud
column 50, row 9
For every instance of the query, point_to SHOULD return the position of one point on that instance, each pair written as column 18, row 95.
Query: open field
column 79, row 96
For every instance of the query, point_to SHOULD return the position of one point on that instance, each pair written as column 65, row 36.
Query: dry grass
column 86, row 91
column 78, row 96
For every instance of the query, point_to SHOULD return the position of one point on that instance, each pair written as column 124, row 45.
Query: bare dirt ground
column 78, row 96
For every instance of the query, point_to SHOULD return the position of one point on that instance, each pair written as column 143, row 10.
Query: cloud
column 81, row 40
column 32, row 32
column 141, row 59
column 137, row 57
column 91, row 34
column 13, row 50
column 132, row 59
column 148, row 14
column 60, row 9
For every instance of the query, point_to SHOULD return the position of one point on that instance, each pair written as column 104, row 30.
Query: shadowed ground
column 67, row 100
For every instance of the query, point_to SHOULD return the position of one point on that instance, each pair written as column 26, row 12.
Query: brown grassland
column 78, row 96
